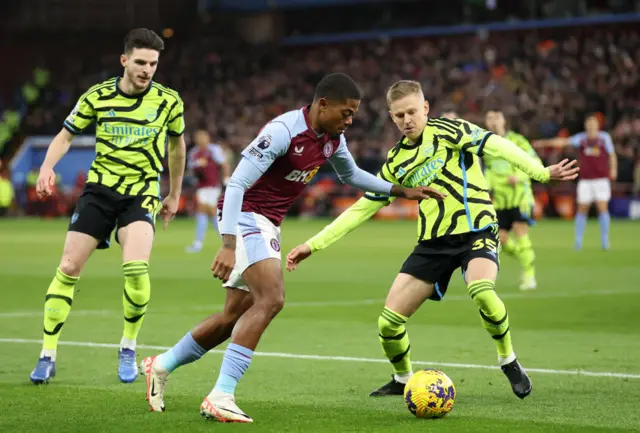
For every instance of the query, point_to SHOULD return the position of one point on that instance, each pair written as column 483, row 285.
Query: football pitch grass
column 578, row 335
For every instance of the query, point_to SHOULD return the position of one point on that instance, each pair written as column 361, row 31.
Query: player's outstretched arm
column 57, row 149
column 525, row 145
column 349, row 173
column 500, row 147
column 348, row 220
column 177, row 159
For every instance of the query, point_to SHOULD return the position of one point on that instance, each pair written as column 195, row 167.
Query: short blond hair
column 403, row 88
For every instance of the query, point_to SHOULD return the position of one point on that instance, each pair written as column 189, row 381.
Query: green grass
column 582, row 317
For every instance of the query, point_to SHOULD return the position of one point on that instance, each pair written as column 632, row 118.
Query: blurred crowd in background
column 546, row 81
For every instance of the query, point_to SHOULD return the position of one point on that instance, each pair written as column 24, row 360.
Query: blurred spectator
column 7, row 193
column 544, row 81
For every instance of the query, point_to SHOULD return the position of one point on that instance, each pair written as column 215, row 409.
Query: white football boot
column 528, row 283
column 156, row 383
column 222, row 407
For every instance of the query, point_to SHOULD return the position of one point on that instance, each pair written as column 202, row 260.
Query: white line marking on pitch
column 341, row 358
column 347, row 303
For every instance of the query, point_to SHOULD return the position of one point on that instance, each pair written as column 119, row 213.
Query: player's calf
column 495, row 320
column 137, row 291
column 395, row 345
column 57, row 305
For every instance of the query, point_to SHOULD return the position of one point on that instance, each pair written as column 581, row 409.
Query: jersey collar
column 126, row 95
column 404, row 142
column 310, row 131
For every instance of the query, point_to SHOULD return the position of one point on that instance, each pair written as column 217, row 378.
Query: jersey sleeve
column 500, row 147
column 575, row 139
column 342, row 161
column 464, row 135
column 272, row 142
column 349, row 172
column 384, row 174
column 608, row 143
column 175, row 125
column 525, row 145
column 82, row 115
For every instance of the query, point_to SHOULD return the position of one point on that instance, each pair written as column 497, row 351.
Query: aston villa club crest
column 275, row 244
column 328, row 149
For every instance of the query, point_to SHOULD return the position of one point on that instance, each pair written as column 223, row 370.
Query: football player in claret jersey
column 133, row 118
column 598, row 167
column 512, row 198
column 274, row 170
column 208, row 163
column 457, row 232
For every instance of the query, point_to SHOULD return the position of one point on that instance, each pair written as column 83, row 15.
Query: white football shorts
column 208, row 196
column 257, row 239
column 591, row 190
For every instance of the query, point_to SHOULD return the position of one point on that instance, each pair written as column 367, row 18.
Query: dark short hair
column 337, row 87
column 143, row 38
column 494, row 108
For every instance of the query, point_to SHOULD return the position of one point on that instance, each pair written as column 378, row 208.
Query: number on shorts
column 150, row 204
column 489, row 244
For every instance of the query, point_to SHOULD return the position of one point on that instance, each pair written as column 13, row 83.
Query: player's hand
column 296, row 255
column 169, row 209
column 613, row 175
column 46, row 181
column 423, row 193
column 564, row 170
column 224, row 263
column 513, row 180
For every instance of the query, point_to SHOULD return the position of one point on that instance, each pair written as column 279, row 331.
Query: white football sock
column 507, row 360
column 125, row 343
column 403, row 378
column 51, row 353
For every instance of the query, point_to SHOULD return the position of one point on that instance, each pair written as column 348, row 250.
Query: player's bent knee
column 70, row 267
column 520, row 229
column 271, row 302
column 583, row 208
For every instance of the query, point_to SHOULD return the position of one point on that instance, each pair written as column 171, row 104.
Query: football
column 429, row 394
